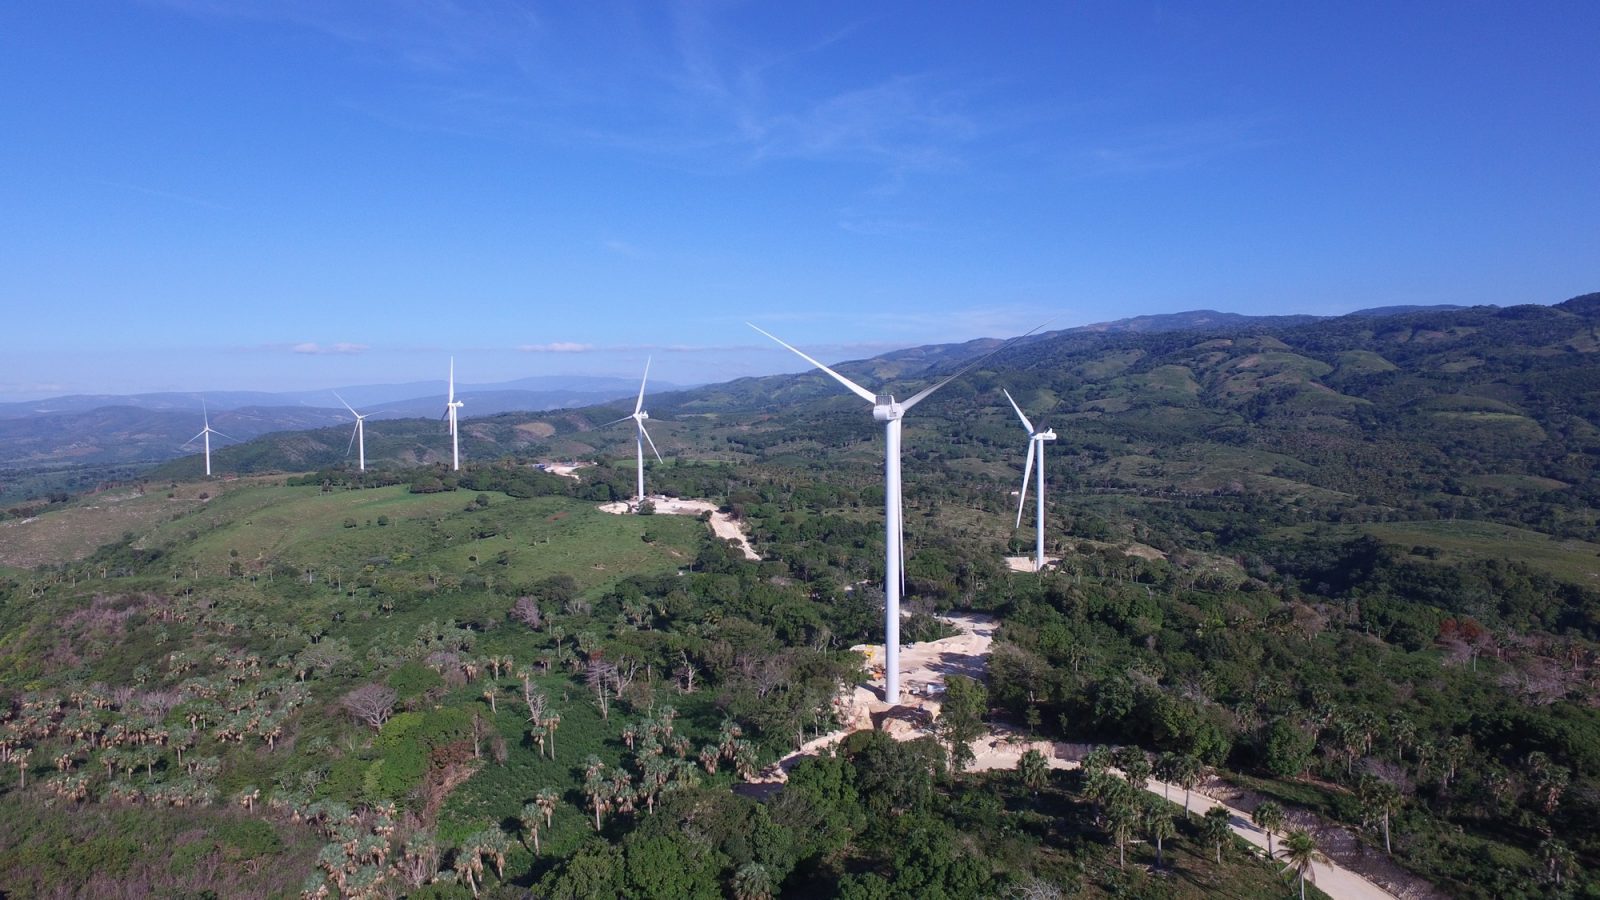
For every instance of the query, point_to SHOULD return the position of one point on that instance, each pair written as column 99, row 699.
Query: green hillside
column 1348, row 565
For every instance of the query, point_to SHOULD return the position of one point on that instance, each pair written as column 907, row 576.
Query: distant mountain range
column 382, row 400
column 110, row 430
column 107, row 430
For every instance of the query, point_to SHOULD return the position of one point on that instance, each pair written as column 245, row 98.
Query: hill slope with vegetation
column 1348, row 565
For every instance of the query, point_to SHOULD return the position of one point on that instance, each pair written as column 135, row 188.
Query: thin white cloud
column 558, row 347
column 1171, row 147
column 315, row 349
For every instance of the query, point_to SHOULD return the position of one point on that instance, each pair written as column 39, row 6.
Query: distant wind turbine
column 886, row 410
column 357, row 437
column 450, row 407
column 638, row 416
column 206, row 433
column 1036, row 440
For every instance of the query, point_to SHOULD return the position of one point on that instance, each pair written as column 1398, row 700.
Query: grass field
column 78, row 529
column 520, row 540
column 1460, row 541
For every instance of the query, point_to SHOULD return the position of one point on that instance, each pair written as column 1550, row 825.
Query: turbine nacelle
column 1048, row 435
column 885, row 409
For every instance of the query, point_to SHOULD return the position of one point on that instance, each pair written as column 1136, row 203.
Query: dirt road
column 923, row 668
column 721, row 525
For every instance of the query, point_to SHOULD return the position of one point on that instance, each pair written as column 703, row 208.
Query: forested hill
column 1348, row 565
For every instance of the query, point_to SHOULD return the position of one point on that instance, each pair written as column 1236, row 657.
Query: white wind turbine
column 357, row 437
column 886, row 410
column 638, row 416
column 1036, row 441
column 450, row 407
column 206, row 433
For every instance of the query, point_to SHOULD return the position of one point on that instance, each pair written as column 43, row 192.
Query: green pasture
column 448, row 533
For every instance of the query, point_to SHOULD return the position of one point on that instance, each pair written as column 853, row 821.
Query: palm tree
column 1034, row 770
column 1166, row 769
column 493, row 843
column 1188, row 774
column 547, row 799
column 597, row 786
column 753, row 881
column 1134, row 764
column 1121, row 816
column 1214, row 826
column 1269, row 818
column 1095, row 762
column 531, row 817
column 1558, row 858
column 1161, row 827
column 467, row 864
column 1380, row 800
column 1299, row 853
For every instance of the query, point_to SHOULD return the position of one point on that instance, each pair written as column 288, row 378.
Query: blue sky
column 274, row 194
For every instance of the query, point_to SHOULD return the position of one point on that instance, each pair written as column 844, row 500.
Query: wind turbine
column 638, row 416
column 1036, row 440
column 206, row 433
column 887, row 410
column 357, row 437
column 450, row 407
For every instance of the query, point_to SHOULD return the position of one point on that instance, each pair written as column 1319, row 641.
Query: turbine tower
column 638, row 416
column 206, row 433
column 887, row 410
column 450, row 407
column 1036, row 440
column 358, row 438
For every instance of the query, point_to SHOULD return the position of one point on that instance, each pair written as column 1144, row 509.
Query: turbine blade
column 221, row 435
column 639, row 404
column 650, row 442
column 615, row 421
column 1025, row 423
column 452, row 399
column 1027, row 470
column 919, row 397
column 352, row 444
column 193, row 439
column 856, row 389
column 347, row 406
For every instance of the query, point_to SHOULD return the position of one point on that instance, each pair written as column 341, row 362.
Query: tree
column 961, row 714
column 1121, row 813
column 1269, row 817
column 1034, row 770
column 1166, row 769
column 1288, row 750
column 493, row 843
column 1161, row 826
column 597, row 787
column 546, row 800
column 1188, row 774
column 752, row 881
column 1299, row 853
column 531, row 818
column 1379, row 800
column 1134, row 764
column 1214, row 826
column 1559, row 860
column 370, row 704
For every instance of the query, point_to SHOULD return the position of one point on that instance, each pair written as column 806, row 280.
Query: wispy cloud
column 165, row 195
column 1171, row 147
column 558, row 347
column 315, row 349
column 425, row 35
